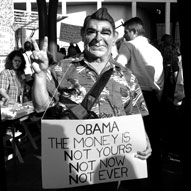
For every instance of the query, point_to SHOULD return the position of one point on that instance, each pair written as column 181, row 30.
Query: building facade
column 160, row 13
column 159, row 16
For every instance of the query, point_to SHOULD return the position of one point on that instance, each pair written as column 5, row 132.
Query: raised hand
column 39, row 57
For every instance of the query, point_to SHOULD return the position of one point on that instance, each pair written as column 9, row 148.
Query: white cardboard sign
column 70, row 33
column 82, row 152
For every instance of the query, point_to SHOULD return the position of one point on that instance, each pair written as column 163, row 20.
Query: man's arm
column 122, row 57
column 39, row 59
column 40, row 96
column 143, row 155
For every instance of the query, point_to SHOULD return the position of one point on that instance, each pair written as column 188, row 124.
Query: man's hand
column 143, row 155
column 39, row 57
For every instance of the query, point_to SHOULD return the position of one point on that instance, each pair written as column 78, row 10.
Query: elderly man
column 121, row 95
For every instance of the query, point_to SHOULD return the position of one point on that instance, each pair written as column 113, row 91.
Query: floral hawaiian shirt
column 121, row 95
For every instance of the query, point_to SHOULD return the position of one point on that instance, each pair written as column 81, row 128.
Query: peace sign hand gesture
column 39, row 57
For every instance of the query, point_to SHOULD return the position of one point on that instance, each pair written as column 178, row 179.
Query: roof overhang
column 29, row 20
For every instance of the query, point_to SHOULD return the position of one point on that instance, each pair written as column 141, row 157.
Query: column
column 134, row 9
column 28, row 6
column 63, row 7
column 167, row 18
column 99, row 4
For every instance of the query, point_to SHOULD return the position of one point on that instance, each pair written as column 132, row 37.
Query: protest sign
column 70, row 33
column 83, row 152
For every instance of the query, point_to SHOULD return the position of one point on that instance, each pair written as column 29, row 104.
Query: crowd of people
column 16, row 80
column 146, row 79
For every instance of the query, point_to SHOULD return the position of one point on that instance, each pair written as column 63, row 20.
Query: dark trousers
column 153, row 124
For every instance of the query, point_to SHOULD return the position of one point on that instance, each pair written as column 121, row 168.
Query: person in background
column 122, row 95
column 73, row 51
column 146, row 63
column 179, row 89
column 144, row 60
column 60, row 56
column 63, row 51
column 169, row 52
column 28, row 47
column 173, row 88
column 12, row 79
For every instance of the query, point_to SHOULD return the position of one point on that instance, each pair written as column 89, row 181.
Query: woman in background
column 12, row 78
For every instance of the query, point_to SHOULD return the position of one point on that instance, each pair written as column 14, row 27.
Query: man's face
column 98, row 38
column 128, row 35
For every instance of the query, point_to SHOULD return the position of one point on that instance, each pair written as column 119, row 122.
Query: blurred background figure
column 63, row 51
column 73, row 50
column 179, row 89
column 28, row 47
column 12, row 79
column 60, row 55
column 171, row 69
column 173, row 94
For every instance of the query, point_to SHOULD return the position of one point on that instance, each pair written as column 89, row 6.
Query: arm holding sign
column 143, row 155
column 120, row 92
